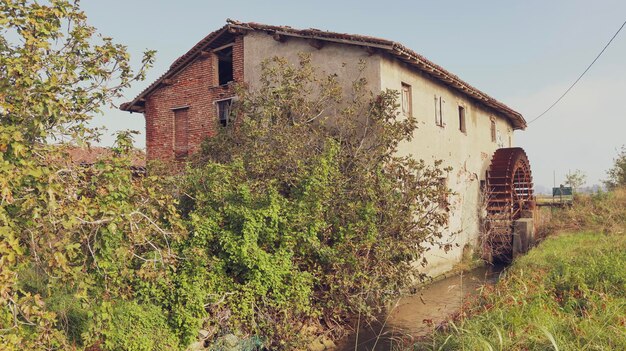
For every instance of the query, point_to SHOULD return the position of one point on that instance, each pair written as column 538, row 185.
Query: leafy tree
column 303, row 212
column 575, row 179
column 299, row 215
column 73, row 240
column 617, row 174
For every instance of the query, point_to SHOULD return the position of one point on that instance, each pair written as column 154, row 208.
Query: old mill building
column 457, row 123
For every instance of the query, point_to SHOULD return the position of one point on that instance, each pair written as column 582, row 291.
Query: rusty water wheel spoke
column 510, row 180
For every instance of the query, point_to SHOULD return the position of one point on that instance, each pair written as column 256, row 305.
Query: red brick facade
column 194, row 89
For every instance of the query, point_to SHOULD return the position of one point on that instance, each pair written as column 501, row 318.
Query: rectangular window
column 225, row 65
column 462, row 127
column 181, row 130
column 439, row 110
column 493, row 130
column 406, row 100
column 223, row 112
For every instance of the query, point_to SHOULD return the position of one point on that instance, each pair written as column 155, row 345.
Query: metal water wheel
column 509, row 197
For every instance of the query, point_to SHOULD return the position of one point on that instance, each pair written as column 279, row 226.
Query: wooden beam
column 223, row 47
column 337, row 40
column 316, row 43
column 370, row 50
column 204, row 54
column 279, row 37
column 237, row 29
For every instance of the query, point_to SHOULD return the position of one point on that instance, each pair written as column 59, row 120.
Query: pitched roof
column 397, row 50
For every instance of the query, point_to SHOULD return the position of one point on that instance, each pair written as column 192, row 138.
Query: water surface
column 415, row 315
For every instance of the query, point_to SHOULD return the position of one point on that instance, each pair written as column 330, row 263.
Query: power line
column 579, row 77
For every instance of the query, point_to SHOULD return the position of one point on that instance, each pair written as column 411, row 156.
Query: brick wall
column 195, row 87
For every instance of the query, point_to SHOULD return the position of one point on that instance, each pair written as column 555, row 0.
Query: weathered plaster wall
column 332, row 58
column 469, row 154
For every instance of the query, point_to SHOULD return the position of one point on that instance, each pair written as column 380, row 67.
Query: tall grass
column 602, row 211
column 569, row 293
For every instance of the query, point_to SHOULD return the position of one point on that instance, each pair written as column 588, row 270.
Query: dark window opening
column 493, row 130
column 225, row 65
column 223, row 112
column 406, row 100
column 181, row 129
column 439, row 107
column 462, row 127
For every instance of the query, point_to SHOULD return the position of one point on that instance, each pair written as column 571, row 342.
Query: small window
column 225, row 65
column 493, row 130
column 462, row 119
column 223, row 112
column 439, row 108
column 406, row 100
column 181, row 130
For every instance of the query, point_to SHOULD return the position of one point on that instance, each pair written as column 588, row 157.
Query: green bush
column 302, row 214
column 129, row 326
column 290, row 223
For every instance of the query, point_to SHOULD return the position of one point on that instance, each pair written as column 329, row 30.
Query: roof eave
column 138, row 104
column 398, row 50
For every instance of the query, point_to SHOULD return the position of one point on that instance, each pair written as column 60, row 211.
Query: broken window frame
column 224, row 112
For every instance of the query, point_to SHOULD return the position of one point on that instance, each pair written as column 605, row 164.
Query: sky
column 523, row 53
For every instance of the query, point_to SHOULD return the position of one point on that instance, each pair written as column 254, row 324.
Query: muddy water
column 409, row 317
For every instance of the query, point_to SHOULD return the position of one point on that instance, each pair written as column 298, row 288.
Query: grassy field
column 569, row 293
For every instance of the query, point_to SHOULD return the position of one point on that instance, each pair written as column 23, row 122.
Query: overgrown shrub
column 301, row 213
column 617, row 174
column 72, row 239
column 602, row 211
column 129, row 326
column 290, row 223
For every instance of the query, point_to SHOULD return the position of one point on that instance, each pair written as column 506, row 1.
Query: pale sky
column 523, row 53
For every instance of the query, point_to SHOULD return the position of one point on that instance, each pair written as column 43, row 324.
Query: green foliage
column 603, row 211
column 566, row 294
column 290, row 223
column 56, row 72
column 72, row 239
column 575, row 179
column 129, row 326
column 617, row 174
column 302, row 213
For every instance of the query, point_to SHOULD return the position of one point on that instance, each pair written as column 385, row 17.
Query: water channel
column 409, row 317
